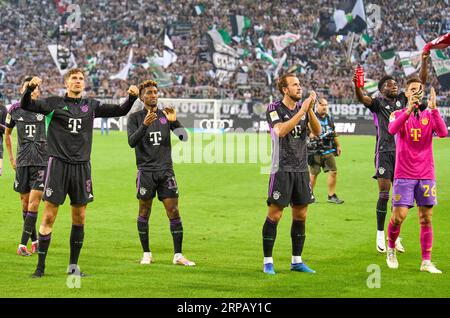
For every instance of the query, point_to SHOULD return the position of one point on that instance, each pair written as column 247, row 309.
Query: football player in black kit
column 69, row 122
column 289, row 179
column 381, row 107
column 30, row 164
column 3, row 114
column 149, row 133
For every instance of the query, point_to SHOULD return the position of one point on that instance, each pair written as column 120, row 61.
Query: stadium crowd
column 108, row 30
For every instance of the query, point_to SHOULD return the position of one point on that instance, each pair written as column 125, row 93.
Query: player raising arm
column 414, row 177
column 69, row 138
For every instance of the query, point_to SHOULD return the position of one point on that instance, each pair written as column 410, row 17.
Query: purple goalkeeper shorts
column 406, row 190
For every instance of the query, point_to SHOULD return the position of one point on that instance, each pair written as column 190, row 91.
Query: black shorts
column 66, row 178
column 150, row 182
column 384, row 165
column 1, row 147
column 289, row 188
column 29, row 178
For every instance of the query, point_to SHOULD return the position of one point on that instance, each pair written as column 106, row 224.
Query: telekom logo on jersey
column 155, row 138
column 30, row 130
column 416, row 134
column 74, row 125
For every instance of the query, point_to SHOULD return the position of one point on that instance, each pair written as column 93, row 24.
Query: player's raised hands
column 312, row 97
column 35, row 82
column 133, row 91
column 150, row 118
column 432, row 99
column 170, row 113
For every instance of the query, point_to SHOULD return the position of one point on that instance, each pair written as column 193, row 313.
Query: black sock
column 29, row 227
column 383, row 199
column 44, row 243
column 298, row 237
column 269, row 234
column 76, row 243
column 142, row 225
column 33, row 229
column 176, row 228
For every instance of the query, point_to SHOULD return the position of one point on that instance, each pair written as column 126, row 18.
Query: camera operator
column 322, row 150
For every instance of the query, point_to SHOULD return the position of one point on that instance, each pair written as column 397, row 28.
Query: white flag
column 123, row 74
column 54, row 53
column 167, row 42
column 169, row 57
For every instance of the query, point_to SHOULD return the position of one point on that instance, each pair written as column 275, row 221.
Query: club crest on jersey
column 48, row 192
column 274, row 115
column 398, row 104
column 163, row 120
column 85, row 108
column 276, row 195
column 142, row 191
column 397, row 197
column 381, row 170
column 424, row 121
column 39, row 117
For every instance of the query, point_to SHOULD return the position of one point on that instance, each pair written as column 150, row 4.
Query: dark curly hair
column 149, row 83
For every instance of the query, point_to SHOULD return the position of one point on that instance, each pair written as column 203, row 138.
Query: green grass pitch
column 223, row 209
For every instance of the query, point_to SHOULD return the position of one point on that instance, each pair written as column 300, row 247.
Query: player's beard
column 392, row 95
column 295, row 97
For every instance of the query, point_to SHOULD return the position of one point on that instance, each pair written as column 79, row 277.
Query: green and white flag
column 370, row 85
column 225, row 36
column 91, row 62
column 388, row 57
column 410, row 61
column 11, row 61
column 199, row 9
column 365, row 39
column 260, row 54
column 280, row 42
column 239, row 24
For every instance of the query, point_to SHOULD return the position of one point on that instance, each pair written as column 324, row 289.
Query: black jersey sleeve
column 9, row 121
column 112, row 110
column 136, row 130
column 36, row 106
column 273, row 117
column 3, row 113
column 374, row 106
column 179, row 130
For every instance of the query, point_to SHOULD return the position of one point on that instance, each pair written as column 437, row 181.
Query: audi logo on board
column 216, row 124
